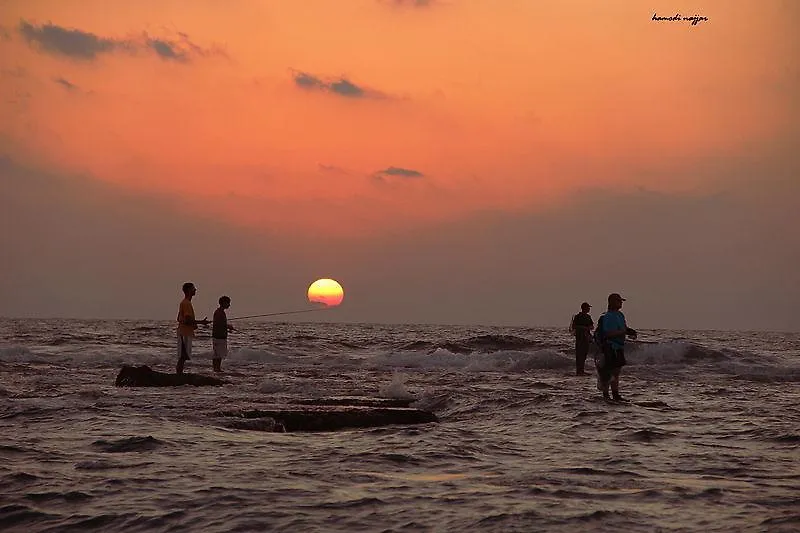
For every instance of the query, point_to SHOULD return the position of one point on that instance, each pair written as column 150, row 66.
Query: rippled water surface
column 708, row 443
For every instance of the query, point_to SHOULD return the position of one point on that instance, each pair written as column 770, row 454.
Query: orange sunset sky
column 460, row 156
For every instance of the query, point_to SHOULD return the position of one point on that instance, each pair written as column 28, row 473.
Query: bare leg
column 615, row 383
column 182, row 358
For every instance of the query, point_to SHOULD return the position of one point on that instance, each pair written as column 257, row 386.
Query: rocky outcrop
column 144, row 376
column 325, row 417
column 316, row 414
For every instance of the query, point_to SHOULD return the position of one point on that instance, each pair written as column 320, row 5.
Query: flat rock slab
column 325, row 417
column 144, row 376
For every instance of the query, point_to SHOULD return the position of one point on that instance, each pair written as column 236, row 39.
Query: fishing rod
column 282, row 313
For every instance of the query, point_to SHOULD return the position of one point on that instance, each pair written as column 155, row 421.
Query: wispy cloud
column 340, row 86
column 83, row 45
column 72, row 43
column 181, row 49
column 65, row 83
column 397, row 172
column 347, row 88
column 404, row 172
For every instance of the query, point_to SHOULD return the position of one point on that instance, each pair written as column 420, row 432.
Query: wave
column 107, row 465
column 499, row 361
column 130, row 444
column 469, row 345
column 471, row 353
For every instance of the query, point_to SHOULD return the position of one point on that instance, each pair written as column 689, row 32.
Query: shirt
column 614, row 320
column 219, row 328
column 582, row 323
column 185, row 310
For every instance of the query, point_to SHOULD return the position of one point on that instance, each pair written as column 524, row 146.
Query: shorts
column 610, row 359
column 184, row 347
column 220, row 347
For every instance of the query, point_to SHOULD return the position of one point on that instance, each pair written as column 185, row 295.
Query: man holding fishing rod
column 186, row 326
column 219, row 333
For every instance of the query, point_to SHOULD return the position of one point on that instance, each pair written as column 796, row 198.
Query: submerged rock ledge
column 325, row 417
column 314, row 414
column 144, row 376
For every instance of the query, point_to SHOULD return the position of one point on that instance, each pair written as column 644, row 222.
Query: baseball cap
column 585, row 304
column 615, row 296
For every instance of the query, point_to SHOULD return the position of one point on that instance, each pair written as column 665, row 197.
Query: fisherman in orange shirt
column 186, row 326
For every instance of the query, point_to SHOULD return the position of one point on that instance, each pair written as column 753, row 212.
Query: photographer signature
column 677, row 17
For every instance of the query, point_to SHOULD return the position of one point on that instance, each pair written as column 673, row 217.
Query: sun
column 326, row 291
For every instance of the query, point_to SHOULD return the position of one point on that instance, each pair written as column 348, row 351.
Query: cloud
column 399, row 171
column 82, row 45
column 346, row 88
column 307, row 81
column 65, row 83
column 340, row 86
column 72, row 43
column 165, row 49
column 180, row 50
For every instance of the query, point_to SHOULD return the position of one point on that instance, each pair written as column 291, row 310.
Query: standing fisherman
column 186, row 326
column 581, row 326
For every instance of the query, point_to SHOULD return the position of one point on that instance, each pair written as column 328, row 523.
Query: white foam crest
column 660, row 353
column 258, row 355
column 746, row 365
column 503, row 360
column 763, row 373
column 396, row 388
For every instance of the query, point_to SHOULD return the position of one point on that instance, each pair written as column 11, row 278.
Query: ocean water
column 708, row 443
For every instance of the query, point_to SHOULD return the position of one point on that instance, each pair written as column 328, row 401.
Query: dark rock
column 144, row 376
column 331, row 418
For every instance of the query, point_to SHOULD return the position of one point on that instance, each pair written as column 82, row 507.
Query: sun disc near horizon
column 326, row 291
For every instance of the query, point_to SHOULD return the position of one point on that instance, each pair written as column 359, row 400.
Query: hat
column 585, row 304
column 615, row 296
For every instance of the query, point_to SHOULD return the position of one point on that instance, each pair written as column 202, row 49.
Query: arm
column 624, row 332
column 189, row 321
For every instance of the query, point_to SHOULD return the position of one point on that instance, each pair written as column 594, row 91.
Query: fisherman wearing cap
column 581, row 326
column 614, row 329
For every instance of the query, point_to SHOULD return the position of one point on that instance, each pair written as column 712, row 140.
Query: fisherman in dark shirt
column 581, row 326
column 219, row 333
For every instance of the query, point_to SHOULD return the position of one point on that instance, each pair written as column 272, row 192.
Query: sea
column 708, row 442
